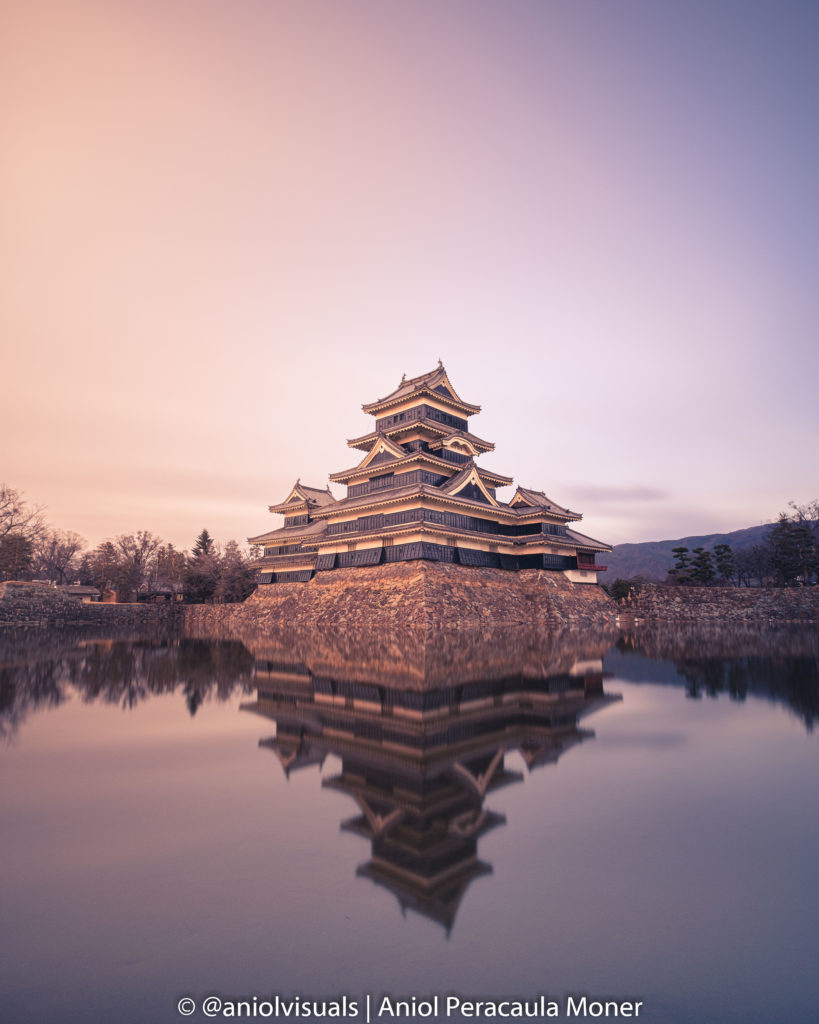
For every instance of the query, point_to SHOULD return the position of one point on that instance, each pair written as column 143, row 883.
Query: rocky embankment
column 725, row 606
column 414, row 596
column 406, row 600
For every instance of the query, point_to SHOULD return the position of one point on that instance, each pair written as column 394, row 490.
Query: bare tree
column 56, row 555
column 168, row 570
column 100, row 568
column 136, row 557
column 236, row 579
column 754, row 563
column 17, row 516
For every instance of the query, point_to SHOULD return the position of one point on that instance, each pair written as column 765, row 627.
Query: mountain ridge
column 653, row 558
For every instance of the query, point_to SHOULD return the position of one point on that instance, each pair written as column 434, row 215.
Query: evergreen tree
column 203, row 545
column 622, row 589
column 681, row 573
column 16, row 557
column 702, row 566
column 792, row 547
column 202, row 570
column 725, row 561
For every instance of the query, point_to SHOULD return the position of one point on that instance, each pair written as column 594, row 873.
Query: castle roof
column 435, row 383
column 303, row 496
column 571, row 539
column 290, row 534
column 537, row 499
column 444, row 430
column 469, row 477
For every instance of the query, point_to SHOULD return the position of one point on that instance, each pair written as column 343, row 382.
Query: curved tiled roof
column 537, row 499
column 442, row 429
column 431, row 382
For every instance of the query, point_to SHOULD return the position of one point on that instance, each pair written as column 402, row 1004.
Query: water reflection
column 116, row 671
column 423, row 658
column 782, row 666
column 37, row 671
column 178, row 855
column 420, row 763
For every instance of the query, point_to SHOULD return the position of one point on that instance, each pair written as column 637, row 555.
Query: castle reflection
column 419, row 763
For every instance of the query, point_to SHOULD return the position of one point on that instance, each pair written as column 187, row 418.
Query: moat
column 628, row 817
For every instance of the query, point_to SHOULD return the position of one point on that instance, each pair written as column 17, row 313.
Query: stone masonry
column 724, row 605
column 414, row 596
column 33, row 605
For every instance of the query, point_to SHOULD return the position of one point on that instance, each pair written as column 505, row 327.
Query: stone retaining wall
column 33, row 605
column 416, row 597
column 413, row 596
column 723, row 605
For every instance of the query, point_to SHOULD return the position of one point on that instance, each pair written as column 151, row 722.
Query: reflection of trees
column 116, row 671
column 781, row 666
column 791, row 681
column 24, row 688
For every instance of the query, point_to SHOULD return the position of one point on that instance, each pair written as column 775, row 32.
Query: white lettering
column 583, row 1007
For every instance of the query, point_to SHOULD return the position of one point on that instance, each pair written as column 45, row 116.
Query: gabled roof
column 382, row 444
column 470, row 474
column 301, row 494
column 436, row 383
column 410, row 459
column 290, row 534
column 398, row 494
column 443, row 430
column 538, row 500
column 492, row 479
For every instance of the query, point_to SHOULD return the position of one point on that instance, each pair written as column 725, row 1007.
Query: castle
column 418, row 493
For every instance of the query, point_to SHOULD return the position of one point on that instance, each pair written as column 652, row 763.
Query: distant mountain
column 652, row 559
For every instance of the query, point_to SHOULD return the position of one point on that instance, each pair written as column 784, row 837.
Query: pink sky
column 227, row 225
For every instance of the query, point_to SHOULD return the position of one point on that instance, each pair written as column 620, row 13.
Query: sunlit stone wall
column 724, row 605
column 415, row 596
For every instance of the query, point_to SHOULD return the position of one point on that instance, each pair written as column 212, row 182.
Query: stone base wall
column 411, row 596
column 34, row 605
column 416, row 624
column 724, row 605
column 417, row 597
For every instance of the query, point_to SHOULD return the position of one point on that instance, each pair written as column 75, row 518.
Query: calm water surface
column 634, row 821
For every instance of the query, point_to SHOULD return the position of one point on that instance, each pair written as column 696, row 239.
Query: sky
column 226, row 225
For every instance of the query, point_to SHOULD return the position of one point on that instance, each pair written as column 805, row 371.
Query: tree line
column 138, row 566
column 787, row 557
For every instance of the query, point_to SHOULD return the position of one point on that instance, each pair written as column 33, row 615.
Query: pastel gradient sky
column 228, row 224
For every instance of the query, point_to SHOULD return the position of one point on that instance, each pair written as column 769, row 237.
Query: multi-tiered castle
column 418, row 493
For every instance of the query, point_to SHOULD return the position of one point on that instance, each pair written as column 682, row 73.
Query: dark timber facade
column 419, row 493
